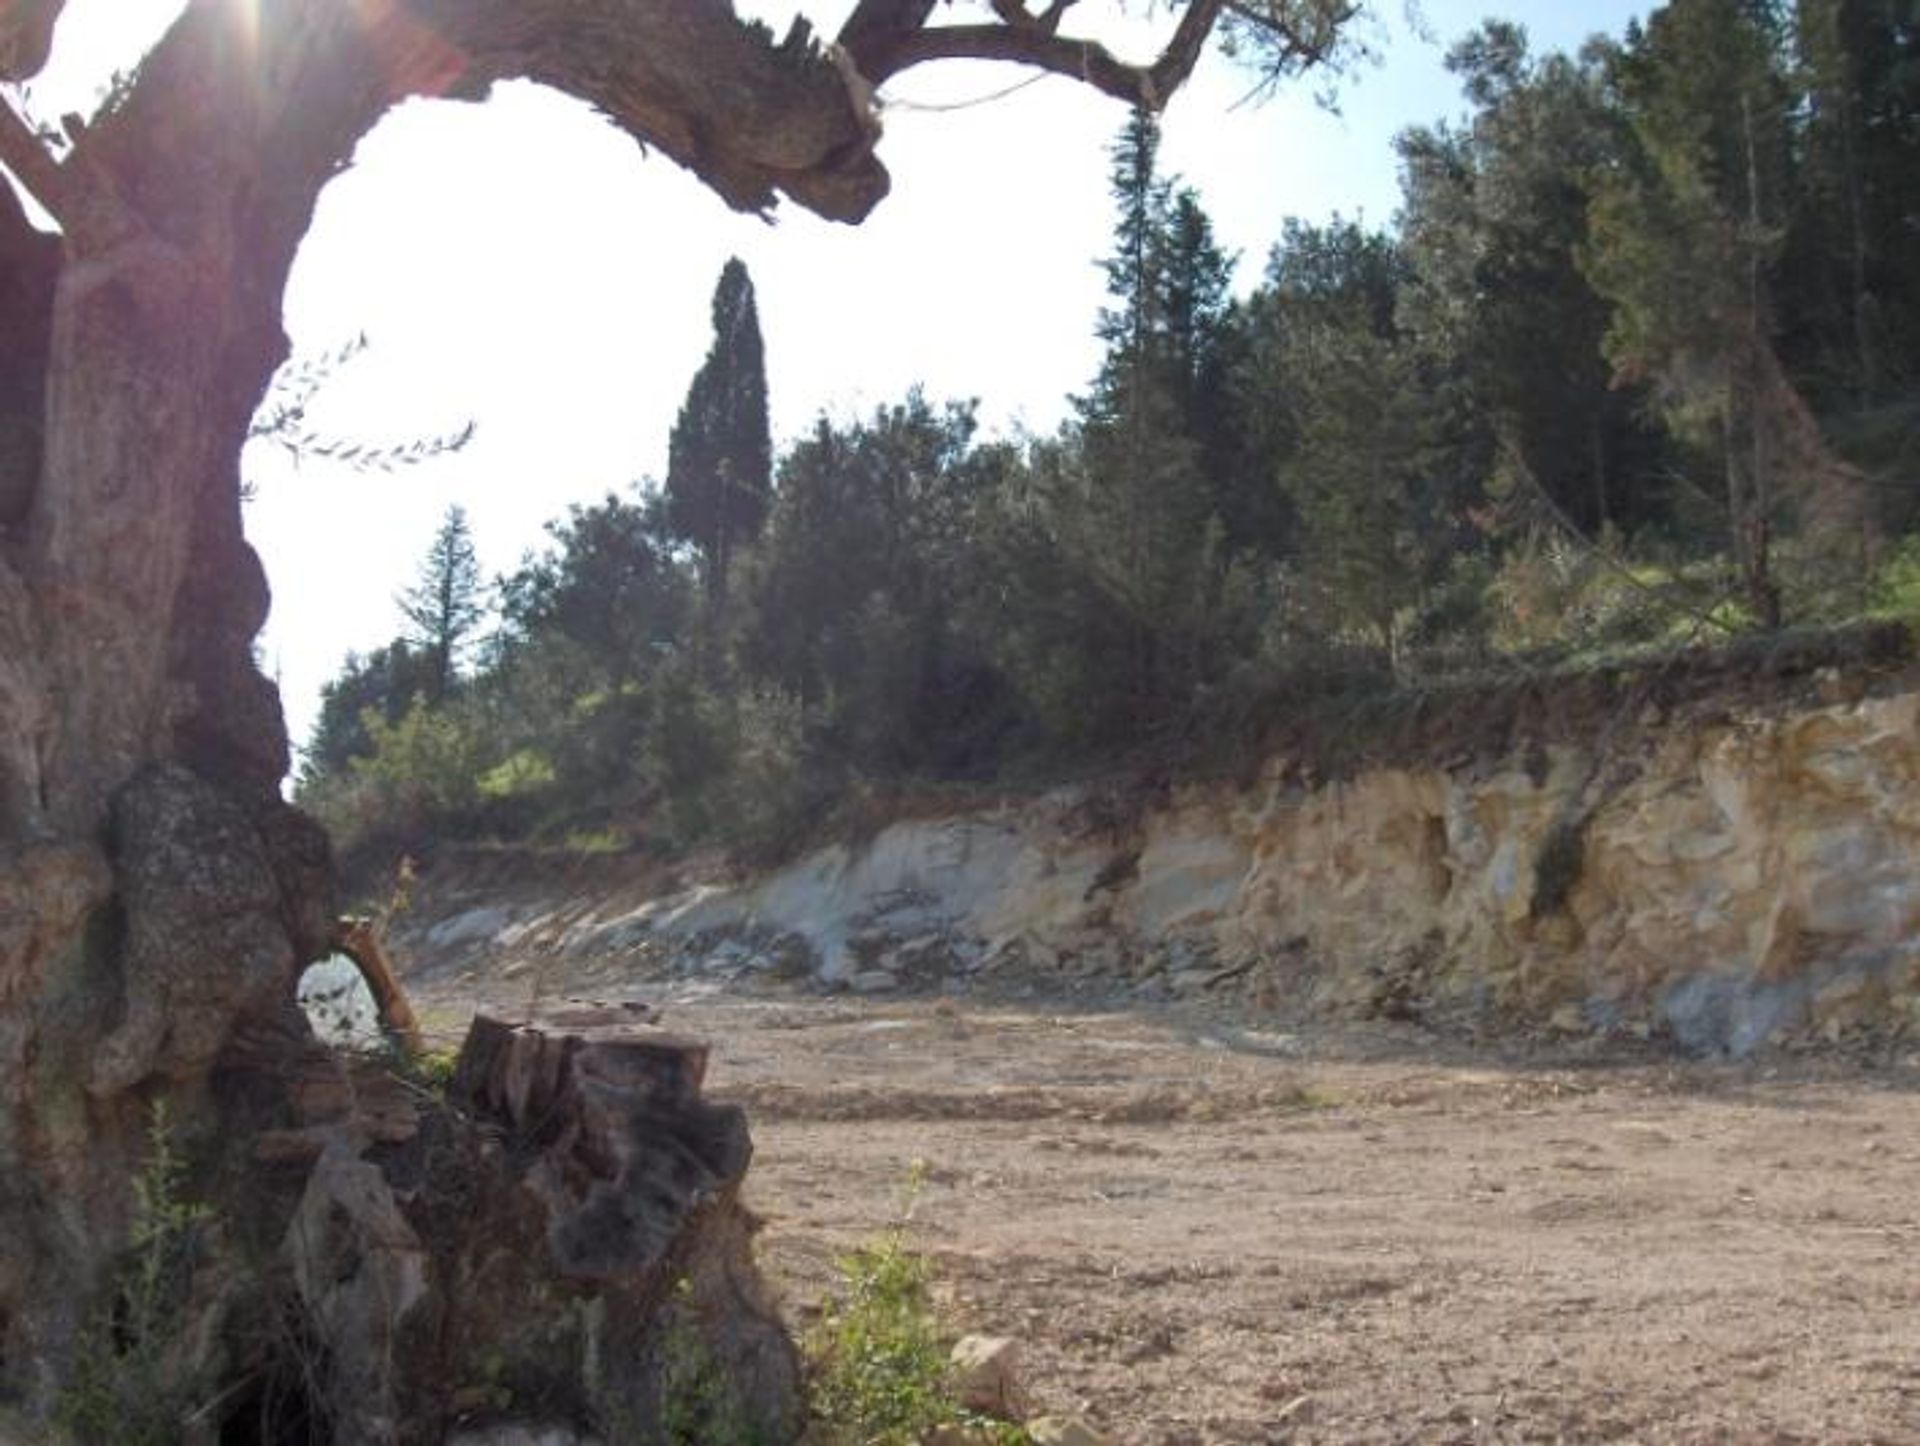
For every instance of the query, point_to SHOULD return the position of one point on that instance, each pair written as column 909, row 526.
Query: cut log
column 609, row 1107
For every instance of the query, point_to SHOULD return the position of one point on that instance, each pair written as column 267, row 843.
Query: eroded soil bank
column 1211, row 1230
column 1715, row 855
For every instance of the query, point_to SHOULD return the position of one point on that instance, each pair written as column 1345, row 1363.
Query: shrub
column 880, row 1353
column 881, row 1375
column 1894, row 591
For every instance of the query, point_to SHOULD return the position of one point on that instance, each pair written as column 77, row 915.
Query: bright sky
column 523, row 265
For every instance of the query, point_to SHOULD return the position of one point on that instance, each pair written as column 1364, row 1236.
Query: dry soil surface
column 1205, row 1229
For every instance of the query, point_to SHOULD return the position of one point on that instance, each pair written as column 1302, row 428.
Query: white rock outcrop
column 1724, row 881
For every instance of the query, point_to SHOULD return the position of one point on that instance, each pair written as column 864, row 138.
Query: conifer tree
column 1368, row 469
column 608, row 586
column 384, row 683
column 1859, row 64
column 1685, row 242
column 1141, row 526
column 1494, row 219
column 444, row 607
column 720, row 453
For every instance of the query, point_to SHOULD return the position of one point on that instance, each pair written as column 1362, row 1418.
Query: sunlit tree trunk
column 157, row 899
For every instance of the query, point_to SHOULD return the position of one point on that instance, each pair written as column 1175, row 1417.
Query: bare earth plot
column 1210, row 1232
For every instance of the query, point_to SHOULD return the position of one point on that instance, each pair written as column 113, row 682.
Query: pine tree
column 1140, row 198
column 444, row 607
column 1168, row 281
column 1367, row 468
column 859, row 591
column 1859, row 272
column 1140, row 519
column 383, row 684
column 1685, row 241
column 608, row 586
column 1494, row 218
column 720, row 453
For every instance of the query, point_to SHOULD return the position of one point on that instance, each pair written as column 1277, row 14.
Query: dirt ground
column 1208, row 1231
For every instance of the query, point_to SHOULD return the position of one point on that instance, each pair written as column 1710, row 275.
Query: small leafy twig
column 282, row 418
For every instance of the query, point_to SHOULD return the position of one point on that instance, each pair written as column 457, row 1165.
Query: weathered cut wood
column 621, row 1147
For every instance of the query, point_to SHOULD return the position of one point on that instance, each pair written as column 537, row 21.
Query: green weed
column 880, row 1352
column 126, row 1385
column 430, row 1070
column 1894, row 591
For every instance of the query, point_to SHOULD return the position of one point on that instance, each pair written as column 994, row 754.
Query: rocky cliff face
column 1724, row 875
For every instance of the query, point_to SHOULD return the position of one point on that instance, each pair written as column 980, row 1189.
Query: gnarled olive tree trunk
column 157, row 899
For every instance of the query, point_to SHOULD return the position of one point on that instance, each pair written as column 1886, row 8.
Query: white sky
column 523, row 265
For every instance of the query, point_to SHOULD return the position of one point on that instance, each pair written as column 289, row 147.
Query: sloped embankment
column 1721, row 855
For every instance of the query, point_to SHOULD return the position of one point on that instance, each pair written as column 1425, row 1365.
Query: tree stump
column 607, row 1112
column 559, row 1247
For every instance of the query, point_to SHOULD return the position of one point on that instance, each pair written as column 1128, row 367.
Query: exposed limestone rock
column 1722, row 878
column 948, row 1435
column 986, row 1376
column 469, row 928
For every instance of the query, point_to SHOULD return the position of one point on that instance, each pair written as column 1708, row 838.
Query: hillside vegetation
column 1636, row 369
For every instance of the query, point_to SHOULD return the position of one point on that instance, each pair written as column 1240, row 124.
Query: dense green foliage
column 880, row 1378
column 1637, row 366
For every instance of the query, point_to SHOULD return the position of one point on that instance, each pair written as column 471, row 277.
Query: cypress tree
column 720, row 453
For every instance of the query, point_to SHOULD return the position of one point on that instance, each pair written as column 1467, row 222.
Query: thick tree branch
column 1032, row 40
column 26, row 36
column 83, row 203
column 877, row 24
column 32, row 164
column 750, row 117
